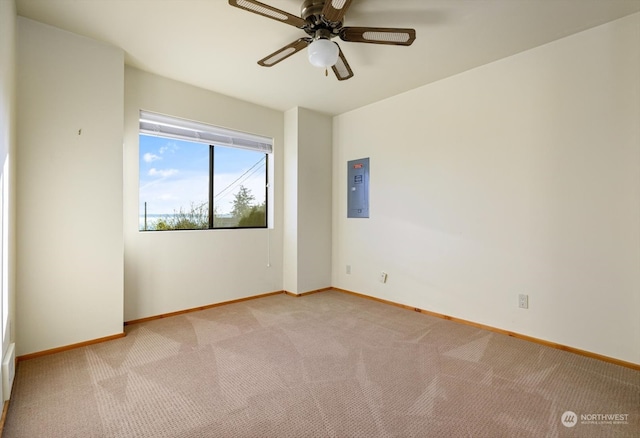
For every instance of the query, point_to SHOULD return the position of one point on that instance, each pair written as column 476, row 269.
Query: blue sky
column 174, row 173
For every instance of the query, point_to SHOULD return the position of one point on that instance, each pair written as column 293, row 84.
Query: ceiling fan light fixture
column 323, row 53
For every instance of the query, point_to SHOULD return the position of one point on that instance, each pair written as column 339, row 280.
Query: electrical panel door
column 358, row 187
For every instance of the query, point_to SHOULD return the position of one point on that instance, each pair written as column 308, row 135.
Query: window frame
column 212, row 195
column 158, row 125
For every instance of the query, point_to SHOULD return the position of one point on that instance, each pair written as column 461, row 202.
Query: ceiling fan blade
column 334, row 10
column 342, row 69
column 284, row 53
column 378, row 35
column 269, row 12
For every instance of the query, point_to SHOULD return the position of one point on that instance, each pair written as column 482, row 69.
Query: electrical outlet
column 523, row 301
column 348, row 269
column 383, row 277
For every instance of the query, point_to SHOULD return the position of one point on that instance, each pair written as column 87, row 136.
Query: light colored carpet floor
column 324, row 365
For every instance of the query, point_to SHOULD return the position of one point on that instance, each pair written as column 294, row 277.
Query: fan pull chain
column 326, row 72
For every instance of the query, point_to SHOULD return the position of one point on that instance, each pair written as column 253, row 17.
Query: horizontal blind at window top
column 181, row 129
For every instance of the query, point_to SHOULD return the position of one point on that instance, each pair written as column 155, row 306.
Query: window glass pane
column 174, row 184
column 239, row 187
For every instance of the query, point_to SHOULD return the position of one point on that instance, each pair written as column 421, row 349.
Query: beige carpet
column 324, row 365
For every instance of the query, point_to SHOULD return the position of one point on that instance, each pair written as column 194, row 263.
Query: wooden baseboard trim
column 208, row 306
column 121, row 335
column 302, row 294
column 69, row 347
column 544, row 342
column 5, row 409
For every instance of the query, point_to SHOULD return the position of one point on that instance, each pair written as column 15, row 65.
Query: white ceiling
column 212, row 45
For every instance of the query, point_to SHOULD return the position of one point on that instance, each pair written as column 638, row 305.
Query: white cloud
column 169, row 147
column 162, row 173
column 149, row 157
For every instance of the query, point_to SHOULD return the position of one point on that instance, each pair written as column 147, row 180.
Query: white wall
column 307, row 235
column 69, row 277
column 314, row 200
column 7, row 152
column 521, row 176
column 171, row 271
column 290, row 231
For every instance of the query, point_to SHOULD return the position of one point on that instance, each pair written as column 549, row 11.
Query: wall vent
column 8, row 370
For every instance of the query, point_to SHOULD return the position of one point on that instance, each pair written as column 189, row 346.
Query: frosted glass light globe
column 323, row 53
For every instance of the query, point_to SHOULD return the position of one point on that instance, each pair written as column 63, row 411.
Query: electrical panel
column 358, row 188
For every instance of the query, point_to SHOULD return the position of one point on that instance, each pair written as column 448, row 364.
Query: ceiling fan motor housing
column 318, row 27
column 311, row 9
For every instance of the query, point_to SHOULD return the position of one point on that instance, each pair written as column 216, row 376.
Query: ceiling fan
column 322, row 21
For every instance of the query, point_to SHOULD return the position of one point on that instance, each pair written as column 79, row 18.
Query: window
column 195, row 176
